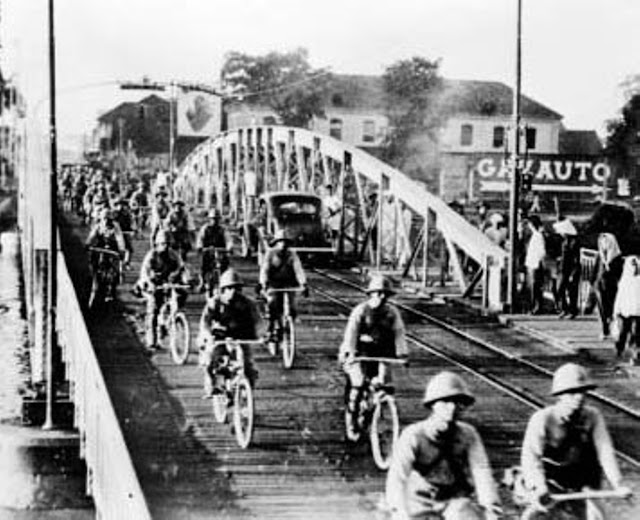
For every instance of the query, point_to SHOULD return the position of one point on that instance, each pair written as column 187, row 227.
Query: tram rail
column 484, row 370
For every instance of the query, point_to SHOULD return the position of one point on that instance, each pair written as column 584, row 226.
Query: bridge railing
column 111, row 477
column 296, row 159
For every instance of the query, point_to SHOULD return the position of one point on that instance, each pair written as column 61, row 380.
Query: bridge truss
column 381, row 206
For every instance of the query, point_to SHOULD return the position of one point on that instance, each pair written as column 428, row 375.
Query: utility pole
column 51, row 344
column 515, row 172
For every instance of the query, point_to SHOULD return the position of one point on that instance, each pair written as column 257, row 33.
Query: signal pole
column 515, row 172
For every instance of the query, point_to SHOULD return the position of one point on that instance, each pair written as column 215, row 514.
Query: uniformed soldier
column 440, row 463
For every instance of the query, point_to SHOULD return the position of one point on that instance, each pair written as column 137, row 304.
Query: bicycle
column 238, row 392
column 593, row 511
column 285, row 333
column 105, row 276
column 211, row 277
column 173, row 326
column 374, row 411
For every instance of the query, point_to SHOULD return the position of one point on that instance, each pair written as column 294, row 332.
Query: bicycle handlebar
column 390, row 361
column 104, row 250
column 584, row 495
column 228, row 341
column 169, row 285
column 214, row 249
column 271, row 290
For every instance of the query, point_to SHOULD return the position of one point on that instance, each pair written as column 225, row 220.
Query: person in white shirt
column 534, row 262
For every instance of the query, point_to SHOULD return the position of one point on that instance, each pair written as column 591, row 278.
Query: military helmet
column 380, row 283
column 571, row 377
column 447, row 385
column 230, row 278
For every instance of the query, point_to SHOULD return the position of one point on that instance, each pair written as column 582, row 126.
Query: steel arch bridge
column 381, row 205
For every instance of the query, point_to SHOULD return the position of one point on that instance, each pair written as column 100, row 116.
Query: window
column 498, row 136
column 269, row 120
column 335, row 128
column 530, row 138
column 368, row 131
column 466, row 135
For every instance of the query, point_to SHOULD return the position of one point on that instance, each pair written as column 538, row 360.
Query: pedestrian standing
column 569, row 269
column 606, row 284
column 626, row 308
column 534, row 262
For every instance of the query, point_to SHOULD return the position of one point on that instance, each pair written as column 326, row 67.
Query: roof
column 356, row 91
column 128, row 107
column 489, row 98
column 579, row 142
column 483, row 98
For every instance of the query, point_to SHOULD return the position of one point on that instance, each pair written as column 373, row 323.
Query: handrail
column 111, row 480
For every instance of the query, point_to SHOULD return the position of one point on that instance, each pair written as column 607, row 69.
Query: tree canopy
column 285, row 82
column 411, row 90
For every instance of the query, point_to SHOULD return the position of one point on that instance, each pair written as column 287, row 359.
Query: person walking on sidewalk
column 626, row 309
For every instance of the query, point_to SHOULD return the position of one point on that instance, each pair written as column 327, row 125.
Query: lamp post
column 515, row 172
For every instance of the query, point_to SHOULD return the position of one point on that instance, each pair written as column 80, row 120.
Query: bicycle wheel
column 164, row 318
column 288, row 341
column 384, row 431
column 243, row 412
column 220, row 404
column 97, row 293
column 180, row 339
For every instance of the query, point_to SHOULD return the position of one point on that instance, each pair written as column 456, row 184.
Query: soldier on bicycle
column 180, row 228
column 124, row 218
column 161, row 265
column 567, row 447
column 159, row 213
column 106, row 234
column 213, row 235
column 139, row 202
column 228, row 314
column 281, row 269
column 440, row 463
column 374, row 329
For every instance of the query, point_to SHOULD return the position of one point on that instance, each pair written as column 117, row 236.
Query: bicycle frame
column 99, row 277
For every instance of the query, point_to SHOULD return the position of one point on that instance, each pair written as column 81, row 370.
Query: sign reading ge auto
column 548, row 174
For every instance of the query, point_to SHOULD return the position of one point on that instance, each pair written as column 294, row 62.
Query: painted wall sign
column 561, row 173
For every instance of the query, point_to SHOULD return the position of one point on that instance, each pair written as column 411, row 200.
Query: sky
column 575, row 53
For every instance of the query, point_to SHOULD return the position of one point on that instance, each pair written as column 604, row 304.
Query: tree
column 283, row 81
column 411, row 89
column 623, row 137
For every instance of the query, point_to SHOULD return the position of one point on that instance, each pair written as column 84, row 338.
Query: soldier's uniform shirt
column 424, row 468
column 384, row 325
column 282, row 269
column 159, row 267
column 572, row 452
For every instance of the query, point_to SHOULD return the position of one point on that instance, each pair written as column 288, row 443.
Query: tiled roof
column 487, row 98
column 126, row 108
column 579, row 142
column 356, row 91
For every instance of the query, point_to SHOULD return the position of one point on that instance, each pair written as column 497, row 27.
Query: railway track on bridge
column 299, row 465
